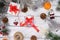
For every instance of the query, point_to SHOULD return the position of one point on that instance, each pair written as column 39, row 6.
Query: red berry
column 3, row 27
column 15, row 23
column 0, row 32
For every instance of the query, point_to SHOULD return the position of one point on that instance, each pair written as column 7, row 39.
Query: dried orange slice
column 47, row 5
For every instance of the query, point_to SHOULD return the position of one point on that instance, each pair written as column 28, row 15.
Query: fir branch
column 52, row 36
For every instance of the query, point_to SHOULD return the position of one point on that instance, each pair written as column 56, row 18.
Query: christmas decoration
column 15, row 23
column 25, row 9
column 52, row 36
column 3, row 30
column 33, row 37
column 0, row 32
column 51, row 14
column 47, row 5
column 14, row 8
column 5, row 38
column 43, row 16
column 18, row 36
column 29, row 21
column 5, row 20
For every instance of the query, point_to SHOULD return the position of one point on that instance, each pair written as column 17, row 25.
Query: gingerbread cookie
column 5, row 20
column 43, row 16
column 18, row 36
column 33, row 37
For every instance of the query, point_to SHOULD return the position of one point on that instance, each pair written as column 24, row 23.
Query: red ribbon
column 13, row 8
column 29, row 21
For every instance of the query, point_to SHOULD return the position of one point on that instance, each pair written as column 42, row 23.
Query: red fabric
column 29, row 21
column 13, row 8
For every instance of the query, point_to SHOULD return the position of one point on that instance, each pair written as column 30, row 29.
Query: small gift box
column 13, row 8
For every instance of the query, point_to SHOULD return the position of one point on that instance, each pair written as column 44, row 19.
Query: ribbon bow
column 30, row 22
